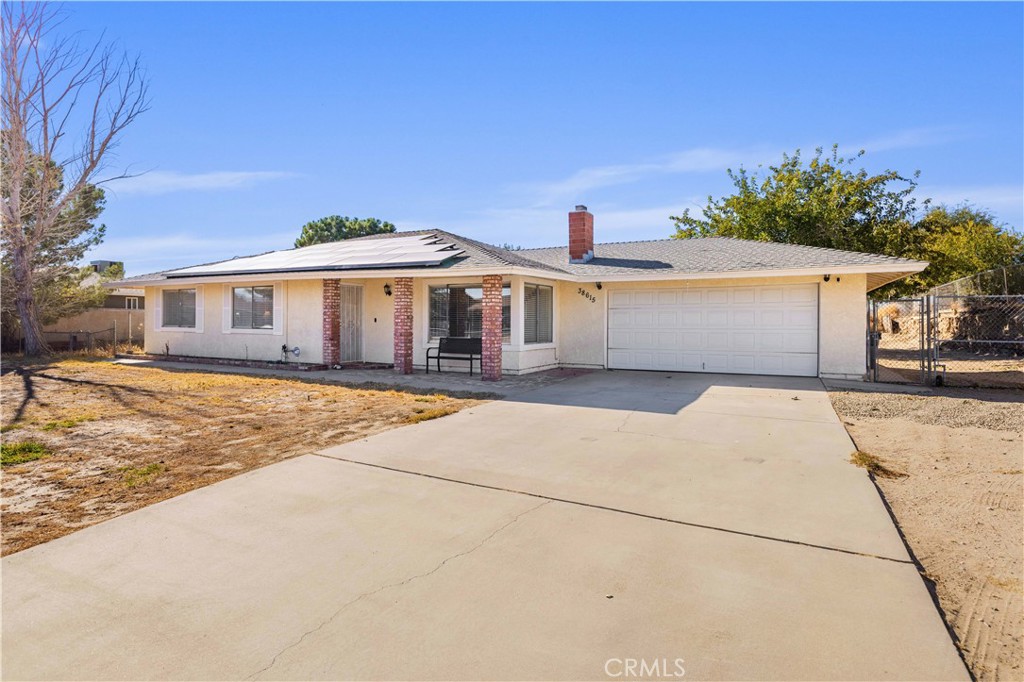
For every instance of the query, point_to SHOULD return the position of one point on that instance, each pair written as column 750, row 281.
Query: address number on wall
column 586, row 294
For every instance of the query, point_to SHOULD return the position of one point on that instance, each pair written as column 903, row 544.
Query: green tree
column 335, row 228
column 830, row 203
column 961, row 241
column 826, row 203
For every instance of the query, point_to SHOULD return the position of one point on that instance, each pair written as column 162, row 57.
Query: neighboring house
column 123, row 309
column 697, row 305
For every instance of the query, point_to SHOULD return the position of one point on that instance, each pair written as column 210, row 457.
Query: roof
column 638, row 260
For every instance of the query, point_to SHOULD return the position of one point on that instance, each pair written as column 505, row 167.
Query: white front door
column 351, row 321
column 737, row 330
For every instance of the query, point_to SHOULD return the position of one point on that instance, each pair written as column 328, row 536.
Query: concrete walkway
column 613, row 516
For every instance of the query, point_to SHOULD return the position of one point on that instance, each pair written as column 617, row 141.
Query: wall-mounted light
column 827, row 277
column 598, row 285
column 387, row 289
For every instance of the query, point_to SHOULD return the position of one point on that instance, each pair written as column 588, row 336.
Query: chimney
column 581, row 235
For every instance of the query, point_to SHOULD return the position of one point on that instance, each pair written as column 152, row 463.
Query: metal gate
column 952, row 340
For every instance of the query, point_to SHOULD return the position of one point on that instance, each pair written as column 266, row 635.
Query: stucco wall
column 301, row 314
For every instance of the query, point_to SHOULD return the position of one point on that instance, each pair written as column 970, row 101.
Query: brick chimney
column 581, row 235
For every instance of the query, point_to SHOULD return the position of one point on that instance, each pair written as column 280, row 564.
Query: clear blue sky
column 493, row 120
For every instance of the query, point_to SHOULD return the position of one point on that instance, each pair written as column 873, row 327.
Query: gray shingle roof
column 704, row 254
column 645, row 258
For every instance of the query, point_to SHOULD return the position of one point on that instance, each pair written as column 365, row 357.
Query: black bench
column 456, row 348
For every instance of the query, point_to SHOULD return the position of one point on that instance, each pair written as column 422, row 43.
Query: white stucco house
column 692, row 305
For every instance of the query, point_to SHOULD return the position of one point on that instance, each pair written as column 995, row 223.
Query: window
column 537, row 313
column 458, row 310
column 252, row 307
column 179, row 308
column 131, row 302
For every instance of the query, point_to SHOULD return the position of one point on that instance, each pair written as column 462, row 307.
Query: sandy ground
column 962, row 368
column 959, row 505
column 122, row 437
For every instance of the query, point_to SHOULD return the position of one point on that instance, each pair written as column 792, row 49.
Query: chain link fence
column 977, row 340
column 955, row 340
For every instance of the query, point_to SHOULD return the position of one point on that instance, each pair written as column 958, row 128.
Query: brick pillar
column 403, row 324
column 332, row 321
column 491, row 360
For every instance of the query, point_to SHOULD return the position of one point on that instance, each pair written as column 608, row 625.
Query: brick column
column 491, row 360
column 403, row 324
column 332, row 321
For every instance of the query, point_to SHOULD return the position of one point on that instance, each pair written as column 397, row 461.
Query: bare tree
column 63, row 111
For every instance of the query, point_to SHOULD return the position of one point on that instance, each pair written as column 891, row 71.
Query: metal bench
column 456, row 348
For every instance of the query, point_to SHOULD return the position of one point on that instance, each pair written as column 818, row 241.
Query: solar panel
column 419, row 250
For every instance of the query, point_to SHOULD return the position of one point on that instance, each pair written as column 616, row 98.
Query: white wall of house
column 297, row 324
column 579, row 334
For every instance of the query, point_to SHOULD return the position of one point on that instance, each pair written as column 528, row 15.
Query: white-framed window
column 458, row 310
column 538, row 313
column 179, row 308
column 131, row 302
column 252, row 307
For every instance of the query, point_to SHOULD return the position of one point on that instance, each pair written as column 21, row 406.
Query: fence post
column 129, row 328
column 113, row 350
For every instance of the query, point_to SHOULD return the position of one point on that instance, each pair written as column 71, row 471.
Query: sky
column 494, row 120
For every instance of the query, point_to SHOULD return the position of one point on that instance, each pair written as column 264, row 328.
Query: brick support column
column 332, row 321
column 491, row 360
column 403, row 325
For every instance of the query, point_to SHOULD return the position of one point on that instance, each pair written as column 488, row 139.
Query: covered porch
column 396, row 320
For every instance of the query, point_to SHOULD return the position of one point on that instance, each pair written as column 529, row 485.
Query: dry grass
column 114, row 437
column 874, row 465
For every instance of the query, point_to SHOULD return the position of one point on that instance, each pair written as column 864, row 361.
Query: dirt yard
column 951, row 465
column 84, row 441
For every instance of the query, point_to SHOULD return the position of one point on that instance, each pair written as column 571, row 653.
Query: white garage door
column 740, row 330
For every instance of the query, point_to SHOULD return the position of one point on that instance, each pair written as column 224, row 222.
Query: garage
column 735, row 330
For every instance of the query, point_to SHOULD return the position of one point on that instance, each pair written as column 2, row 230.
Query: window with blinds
column 179, row 308
column 458, row 310
column 252, row 307
column 537, row 313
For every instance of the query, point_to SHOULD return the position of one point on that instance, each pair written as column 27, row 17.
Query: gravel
column 1001, row 410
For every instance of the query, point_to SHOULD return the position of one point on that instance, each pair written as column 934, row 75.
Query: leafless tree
column 64, row 109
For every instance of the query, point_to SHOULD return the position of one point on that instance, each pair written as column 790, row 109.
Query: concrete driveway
column 610, row 518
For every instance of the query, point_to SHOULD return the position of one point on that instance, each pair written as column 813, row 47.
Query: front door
column 351, row 323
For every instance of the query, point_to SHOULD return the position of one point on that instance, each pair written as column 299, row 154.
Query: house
column 122, row 309
column 692, row 305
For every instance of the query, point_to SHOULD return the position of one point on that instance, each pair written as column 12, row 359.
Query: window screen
column 252, row 307
column 179, row 308
column 458, row 310
column 537, row 313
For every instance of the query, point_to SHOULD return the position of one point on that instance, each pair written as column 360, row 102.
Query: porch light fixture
column 598, row 285
column 827, row 277
column 387, row 289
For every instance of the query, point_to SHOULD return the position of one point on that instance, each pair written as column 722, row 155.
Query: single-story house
column 691, row 305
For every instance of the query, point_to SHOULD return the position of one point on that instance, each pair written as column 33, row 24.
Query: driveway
column 556, row 535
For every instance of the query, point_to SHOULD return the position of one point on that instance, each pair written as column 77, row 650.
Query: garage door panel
column 691, row 297
column 743, row 296
column 757, row 330
column 716, row 296
column 802, row 293
column 744, row 341
column 746, row 319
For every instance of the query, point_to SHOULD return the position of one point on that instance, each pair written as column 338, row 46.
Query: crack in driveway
column 400, row 583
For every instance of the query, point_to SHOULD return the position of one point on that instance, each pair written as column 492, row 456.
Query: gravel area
column 999, row 410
